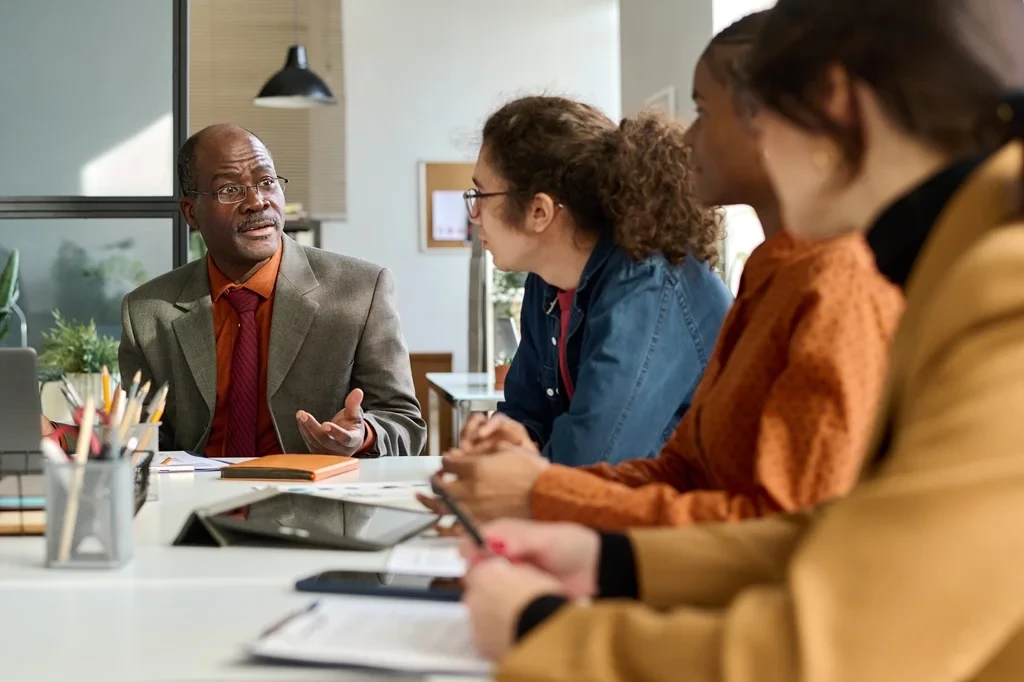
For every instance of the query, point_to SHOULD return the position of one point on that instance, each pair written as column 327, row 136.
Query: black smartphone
column 388, row 585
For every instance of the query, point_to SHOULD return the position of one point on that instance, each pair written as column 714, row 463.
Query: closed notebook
column 291, row 467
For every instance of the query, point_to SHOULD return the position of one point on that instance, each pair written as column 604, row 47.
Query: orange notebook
column 291, row 467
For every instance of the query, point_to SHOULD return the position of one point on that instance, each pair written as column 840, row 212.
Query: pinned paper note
column 449, row 217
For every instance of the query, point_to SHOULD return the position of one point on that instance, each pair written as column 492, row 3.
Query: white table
column 466, row 392
column 175, row 613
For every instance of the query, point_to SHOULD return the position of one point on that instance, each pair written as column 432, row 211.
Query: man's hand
column 343, row 435
column 494, row 486
column 483, row 436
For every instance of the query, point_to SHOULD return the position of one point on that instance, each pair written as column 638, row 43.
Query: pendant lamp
column 295, row 86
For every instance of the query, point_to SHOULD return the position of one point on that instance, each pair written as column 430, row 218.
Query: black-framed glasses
column 236, row 194
column 473, row 197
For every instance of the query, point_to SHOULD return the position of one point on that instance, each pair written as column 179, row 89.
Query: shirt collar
column 766, row 260
column 898, row 236
column 605, row 247
column 261, row 282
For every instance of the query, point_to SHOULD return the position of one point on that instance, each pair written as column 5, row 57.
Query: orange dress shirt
column 225, row 328
column 781, row 418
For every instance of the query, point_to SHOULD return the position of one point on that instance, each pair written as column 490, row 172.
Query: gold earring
column 1005, row 113
column 822, row 159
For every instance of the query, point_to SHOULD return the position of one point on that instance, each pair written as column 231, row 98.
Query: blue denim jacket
column 640, row 335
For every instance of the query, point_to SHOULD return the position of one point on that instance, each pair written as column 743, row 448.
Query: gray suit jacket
column 334, row 328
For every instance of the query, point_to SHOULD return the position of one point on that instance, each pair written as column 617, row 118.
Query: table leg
column 433, row 423
column 463, row 408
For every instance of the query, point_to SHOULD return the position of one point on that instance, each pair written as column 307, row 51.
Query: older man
column 268, row 346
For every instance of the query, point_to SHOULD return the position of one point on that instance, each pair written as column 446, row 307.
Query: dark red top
column 565, row 299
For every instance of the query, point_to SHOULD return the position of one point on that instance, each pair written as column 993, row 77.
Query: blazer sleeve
column 130, row 360
column 810, row 440
column 383, row 372
column 618, row 640
column 913, row 577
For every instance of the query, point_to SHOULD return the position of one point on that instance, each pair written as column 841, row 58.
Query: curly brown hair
column 632, row 180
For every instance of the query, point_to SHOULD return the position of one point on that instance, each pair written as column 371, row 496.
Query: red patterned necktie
column 245, row 370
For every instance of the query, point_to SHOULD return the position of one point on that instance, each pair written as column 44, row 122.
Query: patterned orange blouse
column 781, row 417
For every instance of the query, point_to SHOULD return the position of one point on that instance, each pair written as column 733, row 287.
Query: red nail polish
column 497, row 547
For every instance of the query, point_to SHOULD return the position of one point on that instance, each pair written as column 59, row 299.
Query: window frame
column 29, row 207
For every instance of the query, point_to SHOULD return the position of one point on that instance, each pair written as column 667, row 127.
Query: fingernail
column 497, row 547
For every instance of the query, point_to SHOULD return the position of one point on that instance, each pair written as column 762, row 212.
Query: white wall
column 420, row 79
column 661, row 41
column 743, row 231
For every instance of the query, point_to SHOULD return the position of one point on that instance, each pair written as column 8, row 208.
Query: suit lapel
column 294, row 310
column 194, row 330
column 988, row 199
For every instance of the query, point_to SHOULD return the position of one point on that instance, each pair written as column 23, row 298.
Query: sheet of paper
column 401, row 495
column 449, row 217
column 180, row 461
column 353, row 490
column 435, row 557
column 387, row 634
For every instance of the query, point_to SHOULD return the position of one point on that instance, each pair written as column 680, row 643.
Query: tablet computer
column 272, row 518
column 371, row 584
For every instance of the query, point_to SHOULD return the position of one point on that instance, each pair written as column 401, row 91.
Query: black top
column 898, row 236
column 896, row 239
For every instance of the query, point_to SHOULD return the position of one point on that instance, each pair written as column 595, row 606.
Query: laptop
column 20, row 411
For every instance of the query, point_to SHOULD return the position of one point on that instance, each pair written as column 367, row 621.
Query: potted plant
column 502, row 362
column 76, row 350
column 9, row 293
column 508, row 294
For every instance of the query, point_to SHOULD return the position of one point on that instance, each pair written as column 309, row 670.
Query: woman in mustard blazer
column 889, row 119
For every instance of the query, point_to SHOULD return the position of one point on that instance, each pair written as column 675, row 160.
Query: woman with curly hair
column 622, row 307
column 780, row 419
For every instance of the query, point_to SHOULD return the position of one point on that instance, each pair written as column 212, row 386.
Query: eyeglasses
column 473, row 197
column 236, row 194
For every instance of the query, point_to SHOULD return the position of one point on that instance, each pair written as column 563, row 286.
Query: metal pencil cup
column 89, row 514
column 148, row 436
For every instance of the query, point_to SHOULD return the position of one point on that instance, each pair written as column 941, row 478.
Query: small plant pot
column 500, row 372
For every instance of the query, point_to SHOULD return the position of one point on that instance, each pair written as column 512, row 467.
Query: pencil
column 139, row 400
column 106, row 390
column 156, row 408
column 134, row 388
column 115, row 405
column 76, row 399
column 81, row 458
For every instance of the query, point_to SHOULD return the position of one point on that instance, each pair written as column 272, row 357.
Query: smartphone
column 388, row 585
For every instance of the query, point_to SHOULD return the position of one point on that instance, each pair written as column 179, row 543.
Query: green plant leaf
column 8, row 291
column 76, row 348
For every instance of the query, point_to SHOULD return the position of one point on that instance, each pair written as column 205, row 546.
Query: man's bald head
column 232, row 194
column 187, row 154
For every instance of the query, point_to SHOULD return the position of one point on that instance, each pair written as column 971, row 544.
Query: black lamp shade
column 295, row 86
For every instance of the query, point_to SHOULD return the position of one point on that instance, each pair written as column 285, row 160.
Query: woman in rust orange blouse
column 781, row 416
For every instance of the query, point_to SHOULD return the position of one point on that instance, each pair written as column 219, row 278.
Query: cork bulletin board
column 444, row 220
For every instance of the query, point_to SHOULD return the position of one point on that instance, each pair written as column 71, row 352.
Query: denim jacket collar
column 604, row 248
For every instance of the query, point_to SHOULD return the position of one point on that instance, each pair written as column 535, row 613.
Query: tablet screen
column 327, row 521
